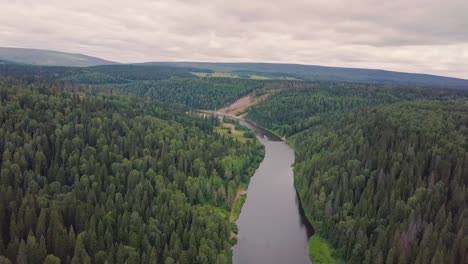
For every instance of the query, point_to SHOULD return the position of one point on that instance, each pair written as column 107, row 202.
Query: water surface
column 272, row 227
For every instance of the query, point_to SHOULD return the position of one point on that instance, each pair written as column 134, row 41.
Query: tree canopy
column 113, row 179
column 388, row 184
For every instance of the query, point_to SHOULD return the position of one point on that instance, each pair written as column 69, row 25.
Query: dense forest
column 113, row 179
column 381, row 171
column 91, row 177
column 327, row 74
column 300, row 105
column 103, row 74
column 389, row 184
column 201, row 93
column 166, row 84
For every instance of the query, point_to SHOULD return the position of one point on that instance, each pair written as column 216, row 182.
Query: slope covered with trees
column 300, row 105
column 323, row 73
column 166, row 84
column 104, row 74
column 110, row 179
column 381, row 170
column 201, row 93
column 389, row 184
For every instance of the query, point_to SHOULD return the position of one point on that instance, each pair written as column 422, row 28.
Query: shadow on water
column 304, row 221
column 272, row 225
column 263, row 133
column 259, row 131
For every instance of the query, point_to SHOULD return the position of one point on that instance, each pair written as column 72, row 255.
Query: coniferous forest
column 299, row 105
column 109, row 164
column 110, row 179
column 388, row 185
column 382, row 173
column 234, row 132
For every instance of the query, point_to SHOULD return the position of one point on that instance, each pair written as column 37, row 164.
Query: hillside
column 322, row 73
column 388, row 184
column 381, row 172
column 102, row 74
column 114, row 179
column 233, row 70
column 304, row 104
column 49, row 58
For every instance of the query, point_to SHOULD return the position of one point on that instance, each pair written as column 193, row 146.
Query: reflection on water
column 272, row 227
column 262, row 133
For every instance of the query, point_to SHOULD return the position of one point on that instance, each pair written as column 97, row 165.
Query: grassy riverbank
column 320, row 251
column 237, row 207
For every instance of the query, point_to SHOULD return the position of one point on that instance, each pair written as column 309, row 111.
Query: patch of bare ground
column 242, row 104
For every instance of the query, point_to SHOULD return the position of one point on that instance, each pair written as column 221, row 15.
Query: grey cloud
column 418, row 36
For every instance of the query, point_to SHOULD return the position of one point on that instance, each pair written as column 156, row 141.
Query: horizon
column 427, row 38
column 242, row 62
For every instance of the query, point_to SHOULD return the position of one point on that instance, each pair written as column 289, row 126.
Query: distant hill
column 20, row 56
column 322, row 73
column 49, row 58
column 100, row 74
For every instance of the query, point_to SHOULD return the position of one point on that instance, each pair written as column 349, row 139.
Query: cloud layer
column 429, row 36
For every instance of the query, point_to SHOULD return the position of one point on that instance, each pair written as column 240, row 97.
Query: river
column 272, row 227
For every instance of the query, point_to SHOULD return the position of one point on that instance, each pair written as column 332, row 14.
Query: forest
column 388, row 184
column 99, row 75
column 201, row 93
column 381, row 171
column 114, row 179
column 108, row 164
column 300, row 105
column 166, row 84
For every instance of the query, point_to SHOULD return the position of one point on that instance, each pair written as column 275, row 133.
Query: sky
column 425, row 36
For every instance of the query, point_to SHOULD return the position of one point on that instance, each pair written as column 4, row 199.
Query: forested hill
column 243, row 70
column 381, row 171
column 103, row 74
column 200, row 93
column 49, row 58
column 300, row 105
column 389, row 184
column 113, row 179
column 322, row 73
column 166, row 84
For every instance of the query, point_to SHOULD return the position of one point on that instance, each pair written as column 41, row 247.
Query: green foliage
column 301, row 105
column 320, row 251
column 238, row 207
column 104, row 74
column 165, row 83
column 321, row 73
column 100, row 178
column 201, row 93
column 388, row 184
column 51, row 259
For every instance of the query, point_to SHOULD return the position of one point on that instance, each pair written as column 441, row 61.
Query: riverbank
column 233, row 130
column 239, row 201
column 320, row 250
column 270, row 224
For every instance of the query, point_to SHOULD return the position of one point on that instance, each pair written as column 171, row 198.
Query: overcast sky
column 429, row 36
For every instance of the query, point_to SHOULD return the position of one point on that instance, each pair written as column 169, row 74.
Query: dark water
column 272, row 228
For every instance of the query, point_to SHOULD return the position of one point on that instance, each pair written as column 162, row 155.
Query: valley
column 234, row 132
column 153, row 164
